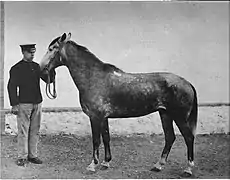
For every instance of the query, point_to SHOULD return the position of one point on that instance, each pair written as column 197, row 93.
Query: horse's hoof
column 91, row 169
column 156, row 169
column 187, row 173
column 103, row 168
column 104, row 165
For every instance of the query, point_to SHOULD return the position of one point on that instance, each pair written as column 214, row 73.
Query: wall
column 189, row 39
column 210, row 120
column 2, row 87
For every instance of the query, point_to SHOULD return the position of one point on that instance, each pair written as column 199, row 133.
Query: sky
column 189, row 39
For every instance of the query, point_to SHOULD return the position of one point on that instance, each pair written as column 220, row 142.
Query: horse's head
column 53, row 58
column 55, row 55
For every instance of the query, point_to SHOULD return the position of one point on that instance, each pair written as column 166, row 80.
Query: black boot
column 35, row 160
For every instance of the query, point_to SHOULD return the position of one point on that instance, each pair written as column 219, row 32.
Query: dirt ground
column 67, row 156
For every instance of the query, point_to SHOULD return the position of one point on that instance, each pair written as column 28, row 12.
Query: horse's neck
column 82, row 70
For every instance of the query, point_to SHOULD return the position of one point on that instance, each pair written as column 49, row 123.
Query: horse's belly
column 129, row 114
column 133, row 110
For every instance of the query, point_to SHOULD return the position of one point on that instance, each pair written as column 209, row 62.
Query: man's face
column 29, row 55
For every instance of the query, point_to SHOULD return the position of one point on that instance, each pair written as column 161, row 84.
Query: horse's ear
column 68, row 37
column 62, row 38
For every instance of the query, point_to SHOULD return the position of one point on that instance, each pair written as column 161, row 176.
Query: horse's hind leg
column 106, row 141
column 167, row 124
column 187, row 132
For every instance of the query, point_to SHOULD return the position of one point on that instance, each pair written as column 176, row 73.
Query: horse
column 105, row 91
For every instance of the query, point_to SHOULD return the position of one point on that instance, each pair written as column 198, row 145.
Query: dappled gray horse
column 106, row 91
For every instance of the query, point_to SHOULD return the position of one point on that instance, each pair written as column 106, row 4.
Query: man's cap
column 28, row 47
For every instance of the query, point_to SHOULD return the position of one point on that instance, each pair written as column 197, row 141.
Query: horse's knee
column 96, row 140
column 105, row 137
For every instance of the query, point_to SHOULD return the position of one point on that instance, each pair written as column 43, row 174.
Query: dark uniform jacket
column 24, row 83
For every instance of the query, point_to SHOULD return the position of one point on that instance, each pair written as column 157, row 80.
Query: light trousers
column 28, row 120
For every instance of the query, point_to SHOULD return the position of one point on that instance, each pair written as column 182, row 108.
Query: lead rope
column 48, row 89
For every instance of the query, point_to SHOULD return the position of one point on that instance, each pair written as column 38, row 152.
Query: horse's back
column 154, row 80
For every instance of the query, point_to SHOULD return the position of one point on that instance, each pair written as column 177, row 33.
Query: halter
column 48, row 84
column 48, row 89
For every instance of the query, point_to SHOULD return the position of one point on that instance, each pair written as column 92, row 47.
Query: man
column 26, row 100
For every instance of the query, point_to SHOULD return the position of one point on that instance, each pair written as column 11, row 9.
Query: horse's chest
column 96, row 102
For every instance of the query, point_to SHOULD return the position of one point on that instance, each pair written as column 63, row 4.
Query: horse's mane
column 79, row 47
column 82, row 48
column 110, row 67
column 106, row 66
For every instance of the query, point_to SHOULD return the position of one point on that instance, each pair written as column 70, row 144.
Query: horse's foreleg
column 96, row 127
column 106, row 141
column 167, row 124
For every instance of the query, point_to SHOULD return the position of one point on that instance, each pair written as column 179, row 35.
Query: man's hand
column 14, row 109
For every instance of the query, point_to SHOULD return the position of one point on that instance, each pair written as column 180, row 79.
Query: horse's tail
column 192, row 119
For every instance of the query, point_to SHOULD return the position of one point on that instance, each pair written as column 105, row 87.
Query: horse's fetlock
column 105, row 163
column 159, row 165
column 108, row 158
column 163, row 162
column 96, row 161
column 191, row 164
